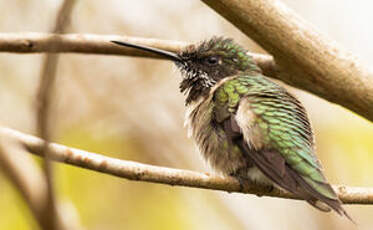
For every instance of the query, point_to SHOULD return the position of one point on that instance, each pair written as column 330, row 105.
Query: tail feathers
column 319, row 205
column 274, row 166
column 319, row 201
column 327, row 206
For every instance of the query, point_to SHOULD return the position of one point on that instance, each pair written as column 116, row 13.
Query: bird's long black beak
column 167, row 54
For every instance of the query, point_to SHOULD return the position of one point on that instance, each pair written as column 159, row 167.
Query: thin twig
column 143, row 172
column 22, row 171
column 100, row 44
column 27, row 43
column 51, row 219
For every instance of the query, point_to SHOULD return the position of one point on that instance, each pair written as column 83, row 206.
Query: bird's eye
column 213, row 60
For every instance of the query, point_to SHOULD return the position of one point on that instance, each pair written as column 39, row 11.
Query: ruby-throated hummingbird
column 247, row 126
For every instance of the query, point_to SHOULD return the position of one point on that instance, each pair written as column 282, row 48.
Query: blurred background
column 130, row 108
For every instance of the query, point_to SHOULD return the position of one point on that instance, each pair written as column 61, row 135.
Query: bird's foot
column 265, row 189
column 247, row 185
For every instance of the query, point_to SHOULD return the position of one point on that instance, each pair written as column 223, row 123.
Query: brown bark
column 306, row 59
column 142, row 172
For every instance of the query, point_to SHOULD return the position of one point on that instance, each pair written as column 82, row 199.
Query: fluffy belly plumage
column 222, row 155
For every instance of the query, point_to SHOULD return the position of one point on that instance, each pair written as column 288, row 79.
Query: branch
column 50, row 216
column 306, row 58
column 100, row 44
column 79, row 43
column 26, row 176
column 162, row 175
column 25, row 43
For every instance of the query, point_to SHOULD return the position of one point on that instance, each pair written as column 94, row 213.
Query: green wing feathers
column 283, row 125
column 289, row 132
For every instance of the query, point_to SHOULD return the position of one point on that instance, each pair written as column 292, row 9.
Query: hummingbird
column 245, row 125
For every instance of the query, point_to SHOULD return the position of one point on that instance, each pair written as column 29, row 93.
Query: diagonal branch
column 24, row 173
column 306, row 58
column 162, row 175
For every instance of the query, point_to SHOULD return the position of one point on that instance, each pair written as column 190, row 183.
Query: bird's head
column 204, row 64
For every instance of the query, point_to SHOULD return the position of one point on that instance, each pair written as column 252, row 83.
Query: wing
column 276, row 135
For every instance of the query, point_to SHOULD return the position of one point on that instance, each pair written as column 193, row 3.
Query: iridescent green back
column 281, row 119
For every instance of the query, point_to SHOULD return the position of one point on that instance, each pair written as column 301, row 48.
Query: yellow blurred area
column 131, row 108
